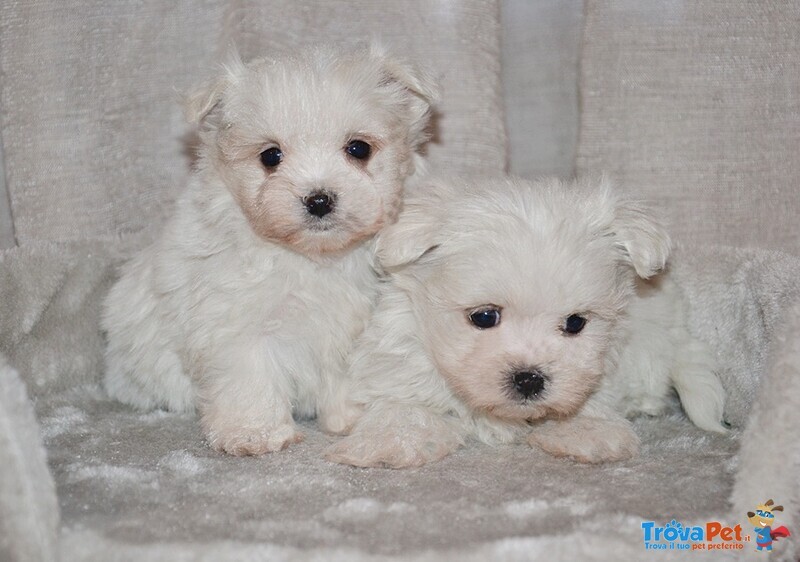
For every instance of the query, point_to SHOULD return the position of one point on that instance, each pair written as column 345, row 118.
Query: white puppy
column 515, row 308
column 247, row 304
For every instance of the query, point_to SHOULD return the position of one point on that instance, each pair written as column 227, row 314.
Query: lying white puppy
column 247, row 305
column 515, row 308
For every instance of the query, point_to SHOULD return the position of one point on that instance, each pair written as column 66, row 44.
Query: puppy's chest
column 330, row 299
column 286, row 294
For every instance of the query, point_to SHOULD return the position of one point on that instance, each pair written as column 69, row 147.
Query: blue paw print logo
column 674, row 525
column 674, row 530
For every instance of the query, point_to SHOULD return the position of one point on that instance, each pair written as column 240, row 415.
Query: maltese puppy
column 514, row 308
column 247, row 305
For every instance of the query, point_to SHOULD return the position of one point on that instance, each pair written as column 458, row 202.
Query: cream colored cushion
column 91, row 124
column 541, row 47
column 696, row 105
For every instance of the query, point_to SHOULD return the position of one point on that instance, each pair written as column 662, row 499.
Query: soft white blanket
column 134, row 486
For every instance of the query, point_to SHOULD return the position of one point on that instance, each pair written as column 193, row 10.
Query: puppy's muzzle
column 319, row 203
column 528, row 384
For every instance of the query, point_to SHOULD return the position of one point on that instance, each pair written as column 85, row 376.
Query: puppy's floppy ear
column 418, row 88
column 203, row 99
column 643, row 240
column 416, row 80
column 199, row 103
column 407, row 240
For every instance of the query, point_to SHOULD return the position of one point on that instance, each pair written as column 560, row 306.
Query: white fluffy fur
column 426, row 379
column 247, row 305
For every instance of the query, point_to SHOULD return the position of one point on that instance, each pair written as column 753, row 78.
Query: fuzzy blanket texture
column 691, row 105
column 144, row 486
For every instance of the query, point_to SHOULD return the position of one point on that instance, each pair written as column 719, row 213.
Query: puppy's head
column 518, row 287
column 314, row 146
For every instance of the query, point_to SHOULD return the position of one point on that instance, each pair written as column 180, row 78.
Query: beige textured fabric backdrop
column 696, row 105
column 541, row 48
column 91, row 126
column 92, row 129
column 693, row 104
column 6, row 222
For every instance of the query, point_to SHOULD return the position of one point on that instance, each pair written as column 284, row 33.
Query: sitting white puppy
column 248, row 303
column 516, row 308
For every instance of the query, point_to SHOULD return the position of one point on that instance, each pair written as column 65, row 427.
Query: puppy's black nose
column 319, row 203
column 528, row 383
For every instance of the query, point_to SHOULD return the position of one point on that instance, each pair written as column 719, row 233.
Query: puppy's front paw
column 588, row 440
column 341, row 419
column 244, row 441
column 396, row 436
column 401, row 449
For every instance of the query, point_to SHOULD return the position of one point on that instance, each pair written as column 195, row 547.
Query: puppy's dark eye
column 485, row 318
column 271, row 157
column 573, row 324
column 359, row 150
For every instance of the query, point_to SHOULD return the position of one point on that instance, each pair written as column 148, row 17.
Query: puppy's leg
column 587, row 439
column 700, row 390
column 660, row 354
column 153, row 381
column 640, row 384
column 244, row 406
column 335, row 413
column 143, row 368
column 393, row 435
column 338, row 418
